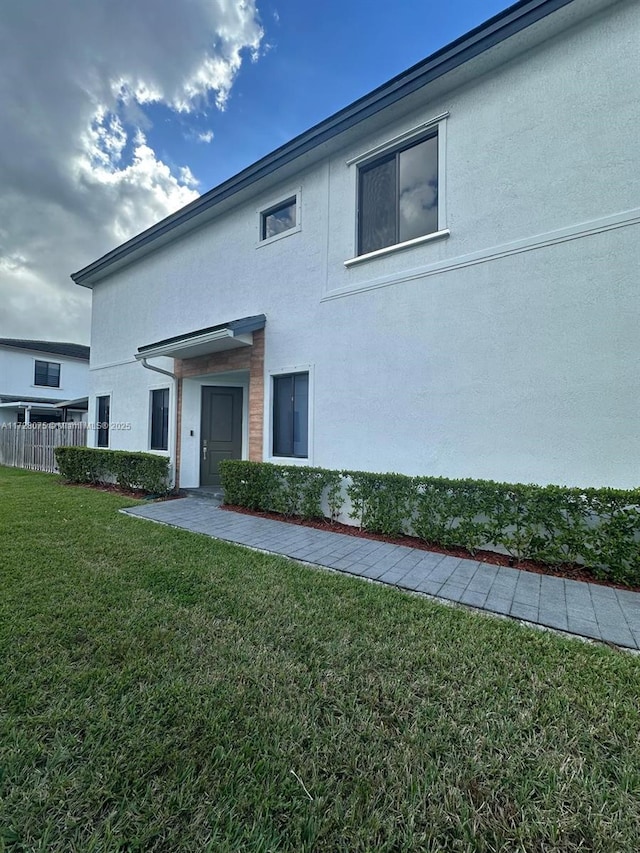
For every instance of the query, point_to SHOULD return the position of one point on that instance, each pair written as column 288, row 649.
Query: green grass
column 157, row 689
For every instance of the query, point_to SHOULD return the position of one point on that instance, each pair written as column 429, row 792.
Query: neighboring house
column 36, row 377
column 441, row 278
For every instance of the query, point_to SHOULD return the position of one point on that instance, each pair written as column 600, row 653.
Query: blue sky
column 318, row 59
column 140, row 106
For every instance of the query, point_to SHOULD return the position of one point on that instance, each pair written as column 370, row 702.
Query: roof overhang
column 55, row 348
column 25, row 404
column 27, row 401
column 472, row 46
column 226, row 336
column 81, row 403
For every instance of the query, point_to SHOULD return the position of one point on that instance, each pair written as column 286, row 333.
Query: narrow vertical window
column 291, row 415
column 103, row 412
column 160, row 419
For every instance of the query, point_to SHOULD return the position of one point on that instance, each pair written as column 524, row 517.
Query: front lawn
column 160, row 691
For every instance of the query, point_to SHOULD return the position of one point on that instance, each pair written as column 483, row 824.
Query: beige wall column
column 256, row 397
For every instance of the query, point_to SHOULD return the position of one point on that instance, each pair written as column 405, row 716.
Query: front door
column 221, row 431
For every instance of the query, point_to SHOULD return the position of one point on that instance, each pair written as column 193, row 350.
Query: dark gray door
column 220, row 432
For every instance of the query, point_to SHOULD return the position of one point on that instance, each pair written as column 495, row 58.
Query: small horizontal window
column 278, row 219
column 47, row 373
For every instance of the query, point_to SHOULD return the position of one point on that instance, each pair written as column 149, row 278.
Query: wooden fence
column 31, row 446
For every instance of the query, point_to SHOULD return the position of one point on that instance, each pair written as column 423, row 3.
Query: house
column 439, row 279
column 43, row 381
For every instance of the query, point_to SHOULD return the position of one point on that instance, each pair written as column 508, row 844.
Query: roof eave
column 232, row 335
column 502, row 26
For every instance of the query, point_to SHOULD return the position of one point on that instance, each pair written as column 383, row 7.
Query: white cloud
column 138, row 193
column 78, row 174
column 206, row 136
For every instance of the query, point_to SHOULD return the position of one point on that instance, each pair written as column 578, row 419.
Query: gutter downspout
column 146, row 364
column 174, row 442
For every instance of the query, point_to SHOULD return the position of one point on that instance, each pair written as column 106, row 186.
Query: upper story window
column 47, row 373
column 279, row 219
column 398, row 196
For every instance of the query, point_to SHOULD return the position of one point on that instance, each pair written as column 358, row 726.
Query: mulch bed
column 571, row 571
column 138, row 494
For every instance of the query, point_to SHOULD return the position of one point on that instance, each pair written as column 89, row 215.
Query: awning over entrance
column 237, row 333
column 80, row 403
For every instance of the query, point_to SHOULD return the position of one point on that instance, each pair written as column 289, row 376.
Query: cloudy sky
column 114, row 113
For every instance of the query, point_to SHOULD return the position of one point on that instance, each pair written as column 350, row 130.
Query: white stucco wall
column 129, row 387
column 508, row 350
column 17, row 373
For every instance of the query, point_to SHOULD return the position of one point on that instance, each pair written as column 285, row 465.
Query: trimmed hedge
column 287, row 489
column 598, row 528
column 143, row 471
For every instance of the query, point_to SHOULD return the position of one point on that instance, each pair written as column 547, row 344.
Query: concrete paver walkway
column 589, row 610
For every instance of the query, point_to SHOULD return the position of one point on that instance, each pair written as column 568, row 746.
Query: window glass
column 160, row 419
column 282, row 420
column 47, row 373
column 418, row 190
column 291, row 415
column 378, row 206
column 398, row 196
column 279, row 219
column 103, row 411
column 300, row 414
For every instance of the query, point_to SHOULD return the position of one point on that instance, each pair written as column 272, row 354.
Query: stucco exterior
column 506, row 347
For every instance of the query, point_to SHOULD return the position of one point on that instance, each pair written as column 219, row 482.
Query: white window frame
column 412, row 136
column 160, row 387
column 108, row 394
column 272, row 204
column 58, row 387
column 268, row 455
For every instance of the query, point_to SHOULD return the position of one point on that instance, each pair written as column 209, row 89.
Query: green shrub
column 598, row 528
column 287, row 489
column 381, row 503
column 143, row 471
column 454, row 513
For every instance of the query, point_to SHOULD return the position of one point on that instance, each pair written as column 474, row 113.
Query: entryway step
column 208, row 493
